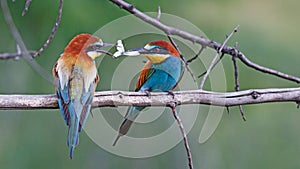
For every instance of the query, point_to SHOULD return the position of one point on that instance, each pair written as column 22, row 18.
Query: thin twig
column 216, row 57
column 236, row 74
column 236, row 81
column 158, row 13
column 227, row 109
column 20, row 43
column 27, row 4
column 196, row 56
column 182, row 58
column 242, row 112
column 54, row 30
column 15, row 56
column 220, row 58
column 201, row 40
column 183, row 133
column 260, row 68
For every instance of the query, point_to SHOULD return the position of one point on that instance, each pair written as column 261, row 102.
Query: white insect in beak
column 131, row 53
column 120, row 49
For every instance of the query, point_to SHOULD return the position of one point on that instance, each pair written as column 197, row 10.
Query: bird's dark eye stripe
column 156, row 49
column 97, row 46
column 94, row 47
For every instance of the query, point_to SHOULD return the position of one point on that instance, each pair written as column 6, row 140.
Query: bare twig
column 255, row 66
column 183, row 133
column 242, row 112
column 27, row 4
column 201, row 40
column 196, row 56
column 227, row 109
column 54, row 30
column 236, row 74
column 14, row 55
column 122, row 98
column 20, row 43
column 216, row 57
column 158, row 13
column 220, row 58
column 182, row 58
column 237, row 85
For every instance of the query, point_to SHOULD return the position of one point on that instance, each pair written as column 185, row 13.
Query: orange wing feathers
column 143, row 75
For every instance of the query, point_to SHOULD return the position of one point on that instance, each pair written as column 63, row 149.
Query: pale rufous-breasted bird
column 162, row 72
column 75, row 77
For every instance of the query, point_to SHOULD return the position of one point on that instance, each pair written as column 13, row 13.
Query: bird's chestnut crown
column 90, row 45
column 158, row 45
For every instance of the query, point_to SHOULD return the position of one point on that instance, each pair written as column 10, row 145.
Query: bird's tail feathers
column 116, row 140
column 124, row 128
column 71, row 151
column 73, row 132
column 130, row 116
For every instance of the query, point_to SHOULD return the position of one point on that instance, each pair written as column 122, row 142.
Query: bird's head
column 156, row 51
column 86, row 44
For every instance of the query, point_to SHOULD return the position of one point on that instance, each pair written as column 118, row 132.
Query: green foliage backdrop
column 268, row 35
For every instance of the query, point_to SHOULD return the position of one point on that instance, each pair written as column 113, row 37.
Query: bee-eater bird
column 75, row 77
column 162, row 72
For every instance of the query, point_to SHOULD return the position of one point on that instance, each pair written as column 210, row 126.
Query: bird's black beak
column 135, row 52
column 143, row 51
column 108, row 45
column 96, row 47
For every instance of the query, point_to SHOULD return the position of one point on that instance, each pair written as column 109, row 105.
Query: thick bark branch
column 122, row 98
column 201, row 40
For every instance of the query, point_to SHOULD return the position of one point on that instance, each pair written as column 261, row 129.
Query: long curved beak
column 135, row 52
column 108, row 45
column 97, row 48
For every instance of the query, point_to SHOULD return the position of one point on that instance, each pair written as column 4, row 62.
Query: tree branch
column 214, row 61
column 27, row 4
column 236, row 81
column 14, row 55
column 21, row 47
column 201, row 40
column 122, row 98
column 183, row 133
column 54, row 29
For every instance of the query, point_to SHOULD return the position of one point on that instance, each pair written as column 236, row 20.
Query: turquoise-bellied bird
column 162, row 72
column 75, row 77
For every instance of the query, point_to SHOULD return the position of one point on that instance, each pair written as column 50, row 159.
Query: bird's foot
column 172, row 94
column 147, row 92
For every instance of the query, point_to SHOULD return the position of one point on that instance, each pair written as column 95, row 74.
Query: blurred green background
column 268, row 35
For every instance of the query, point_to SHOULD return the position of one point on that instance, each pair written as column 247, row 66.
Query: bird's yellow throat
column 157, row 58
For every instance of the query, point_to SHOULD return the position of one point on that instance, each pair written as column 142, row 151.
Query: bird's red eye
column 156, row 49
